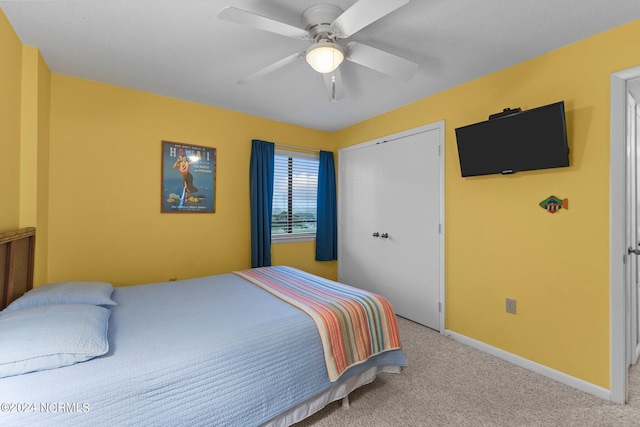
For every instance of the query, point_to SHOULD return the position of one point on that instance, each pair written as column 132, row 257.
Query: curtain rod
column 313, row 150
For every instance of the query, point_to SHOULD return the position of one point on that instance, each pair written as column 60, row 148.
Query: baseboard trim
column 561, row 377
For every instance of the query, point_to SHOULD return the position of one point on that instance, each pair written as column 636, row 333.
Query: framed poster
column 188, row 178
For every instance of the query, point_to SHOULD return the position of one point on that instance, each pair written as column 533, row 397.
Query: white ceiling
column 178, row 48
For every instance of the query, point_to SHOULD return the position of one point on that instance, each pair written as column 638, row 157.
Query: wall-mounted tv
column 515, row 141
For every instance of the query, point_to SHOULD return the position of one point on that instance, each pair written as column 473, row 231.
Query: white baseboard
column 561, row 377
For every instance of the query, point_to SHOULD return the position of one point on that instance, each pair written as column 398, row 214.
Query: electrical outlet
column 511, row 306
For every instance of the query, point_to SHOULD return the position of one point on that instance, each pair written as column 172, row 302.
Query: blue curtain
column 327, row 225
column 261, row 191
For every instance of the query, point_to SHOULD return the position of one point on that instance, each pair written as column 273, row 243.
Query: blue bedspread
column 212, row 351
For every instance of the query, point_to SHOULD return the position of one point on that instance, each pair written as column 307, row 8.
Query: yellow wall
column 499, row 242
column 86, row 174
column 105, row 220
column 34, row 153
column 10, row 102
column 24, row 140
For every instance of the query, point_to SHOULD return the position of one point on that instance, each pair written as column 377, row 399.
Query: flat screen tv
column 521, row 141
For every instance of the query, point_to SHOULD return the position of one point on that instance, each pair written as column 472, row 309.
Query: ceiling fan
column 324, row 26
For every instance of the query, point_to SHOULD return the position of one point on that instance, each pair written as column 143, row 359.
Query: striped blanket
column 354, row 324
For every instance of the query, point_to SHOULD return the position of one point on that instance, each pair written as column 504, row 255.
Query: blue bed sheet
column 212, row 351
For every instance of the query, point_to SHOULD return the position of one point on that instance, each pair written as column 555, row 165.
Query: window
column 295, row 188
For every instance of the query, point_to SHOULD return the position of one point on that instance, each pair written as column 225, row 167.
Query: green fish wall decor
column 552, row 204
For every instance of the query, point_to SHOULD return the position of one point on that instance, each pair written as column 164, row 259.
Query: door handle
column 376, row 234
column 633, row 251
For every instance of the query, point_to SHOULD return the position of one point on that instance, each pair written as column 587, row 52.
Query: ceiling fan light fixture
column 324, row 57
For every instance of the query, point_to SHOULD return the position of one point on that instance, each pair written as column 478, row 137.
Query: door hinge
column 440, row 228
column 439, row 150
column 439, row 307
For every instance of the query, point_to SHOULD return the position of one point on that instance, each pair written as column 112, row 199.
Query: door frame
column 618, row 310
column 441, row 151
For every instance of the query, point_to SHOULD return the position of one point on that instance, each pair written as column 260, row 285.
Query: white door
column 622, row 83
column 390, row 216
column 359, row 216
column 633, row 235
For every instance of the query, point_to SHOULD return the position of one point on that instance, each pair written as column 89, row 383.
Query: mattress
column 209, row 351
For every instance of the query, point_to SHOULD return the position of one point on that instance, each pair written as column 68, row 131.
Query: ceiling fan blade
column 381, row 61
column 260, row 22
column 363, row 13
column 271, row 68
column 333, row 83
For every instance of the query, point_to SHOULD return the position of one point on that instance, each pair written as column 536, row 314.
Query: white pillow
column 52, row 336
column 94, row 293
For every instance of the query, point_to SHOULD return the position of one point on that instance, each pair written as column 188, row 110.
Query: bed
column 219, row 350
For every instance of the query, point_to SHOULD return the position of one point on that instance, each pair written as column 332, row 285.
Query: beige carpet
column 450, row 384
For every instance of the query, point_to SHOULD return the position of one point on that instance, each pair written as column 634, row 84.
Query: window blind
column 295, row 189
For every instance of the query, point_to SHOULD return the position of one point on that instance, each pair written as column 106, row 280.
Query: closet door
column 410, row 203
column 389, row 223
column 360, row 216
